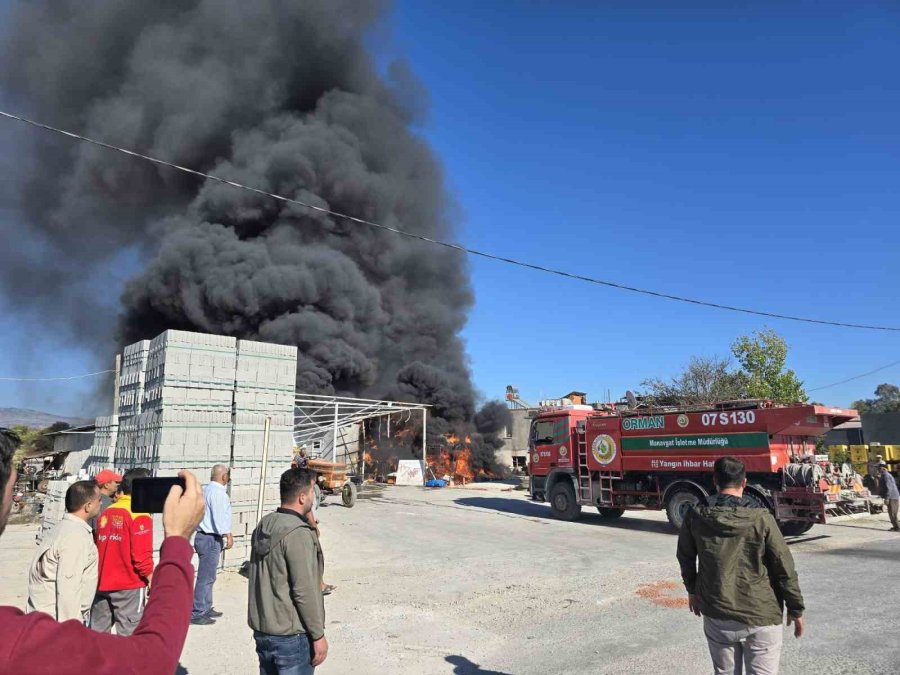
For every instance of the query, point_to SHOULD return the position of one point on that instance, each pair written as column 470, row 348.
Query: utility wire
column 856, row 377
column 53, row 379
column 450, row 245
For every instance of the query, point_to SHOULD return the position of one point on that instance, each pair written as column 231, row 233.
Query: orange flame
column 462, row 467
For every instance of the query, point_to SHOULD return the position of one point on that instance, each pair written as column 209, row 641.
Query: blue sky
column 741, row 155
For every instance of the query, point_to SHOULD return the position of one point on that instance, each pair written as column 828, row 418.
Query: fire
column 454, row 460
column 462, row 466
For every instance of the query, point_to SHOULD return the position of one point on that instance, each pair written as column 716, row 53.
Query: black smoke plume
column 281, row 95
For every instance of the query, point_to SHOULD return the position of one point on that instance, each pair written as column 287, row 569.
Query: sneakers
column 202, row 621
column 213, row 614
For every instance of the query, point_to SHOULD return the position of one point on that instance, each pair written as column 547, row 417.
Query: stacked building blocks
column 264, row 388
column 54, row 506
column 131, row 378
column 103, row 448
column 190, row 401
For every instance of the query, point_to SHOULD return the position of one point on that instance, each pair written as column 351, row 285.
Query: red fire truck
column 621, row 457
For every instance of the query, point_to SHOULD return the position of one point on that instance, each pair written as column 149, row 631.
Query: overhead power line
column 53, row 379
column 450, row 245
column 856, row 377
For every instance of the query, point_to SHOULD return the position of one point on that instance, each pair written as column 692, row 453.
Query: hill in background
column 36, row 419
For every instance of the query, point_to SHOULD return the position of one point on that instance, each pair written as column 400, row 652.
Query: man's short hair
column 219, row 470
column 293, row 482
column 9, row 443
column 129, row 476
column 729, row 472
column 79, row 494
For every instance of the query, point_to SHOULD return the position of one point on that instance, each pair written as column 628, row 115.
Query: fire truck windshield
column 542, row 433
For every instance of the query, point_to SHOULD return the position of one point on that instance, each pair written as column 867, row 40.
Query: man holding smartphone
column 37, row 643
column 125, row 547
column 213, row 536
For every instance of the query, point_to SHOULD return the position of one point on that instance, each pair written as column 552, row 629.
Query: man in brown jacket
column 745, row 578
column 286, row 609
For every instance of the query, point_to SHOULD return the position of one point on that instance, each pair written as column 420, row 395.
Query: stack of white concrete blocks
column 264, row 388
column 54, row 506
column 131, row 378
column 184, row 418
column 201, row 400
column 103, row 448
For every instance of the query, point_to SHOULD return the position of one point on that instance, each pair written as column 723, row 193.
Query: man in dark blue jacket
column 887, row 489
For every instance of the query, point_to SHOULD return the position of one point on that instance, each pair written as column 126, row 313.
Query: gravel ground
column 481, row 581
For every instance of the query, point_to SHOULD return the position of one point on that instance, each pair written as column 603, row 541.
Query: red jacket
column 125, row 547
column 36, row 644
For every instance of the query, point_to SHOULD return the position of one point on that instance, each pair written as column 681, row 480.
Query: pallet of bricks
column 199, row 396
column 103, row 449
column 264, row 388
column 131, row 394
column 53, row 506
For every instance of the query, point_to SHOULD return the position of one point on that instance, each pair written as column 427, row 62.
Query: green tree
column 706, row 379
column 887, row 399
column 34, row 439
column 762, row 356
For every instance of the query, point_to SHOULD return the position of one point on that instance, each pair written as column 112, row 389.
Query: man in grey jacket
column 288, row 627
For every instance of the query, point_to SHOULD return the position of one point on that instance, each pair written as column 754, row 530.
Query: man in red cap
column 125, row 562
column 108, row 482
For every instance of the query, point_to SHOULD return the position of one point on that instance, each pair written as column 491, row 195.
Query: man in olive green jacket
column 286, row 609
column 746, row 576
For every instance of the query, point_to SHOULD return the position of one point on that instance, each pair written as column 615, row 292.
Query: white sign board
column 410, row 472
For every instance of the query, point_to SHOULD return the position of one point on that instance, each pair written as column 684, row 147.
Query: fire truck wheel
column 562, row 501
column 794, row 528
column 680, row 502
column 610, row 514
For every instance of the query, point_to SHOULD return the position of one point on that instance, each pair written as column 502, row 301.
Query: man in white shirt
column 213, row 535
column 63, row 576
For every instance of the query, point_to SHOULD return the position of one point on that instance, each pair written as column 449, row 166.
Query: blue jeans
column 209, row 550
column 283, row 654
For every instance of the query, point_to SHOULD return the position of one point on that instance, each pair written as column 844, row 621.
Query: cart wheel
column 348, row 494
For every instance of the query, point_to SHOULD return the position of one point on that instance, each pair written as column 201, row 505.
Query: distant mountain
column 36, row 419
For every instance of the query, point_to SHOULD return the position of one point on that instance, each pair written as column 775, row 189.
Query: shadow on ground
column 542, row 511
column 462, row 666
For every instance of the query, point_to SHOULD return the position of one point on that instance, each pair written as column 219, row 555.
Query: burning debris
column 305, row 112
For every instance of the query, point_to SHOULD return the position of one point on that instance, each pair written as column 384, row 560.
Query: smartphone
column 148, row 495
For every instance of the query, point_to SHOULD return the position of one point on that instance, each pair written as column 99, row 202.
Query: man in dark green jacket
column 286, row 609
column 745, row 578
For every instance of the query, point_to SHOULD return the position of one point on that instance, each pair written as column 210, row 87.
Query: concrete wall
column 79, row 448
column 516, row 442
column 347, row 445
column 882, row 428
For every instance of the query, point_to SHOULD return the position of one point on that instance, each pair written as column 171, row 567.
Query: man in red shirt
column 156, row 644
column 125, row 562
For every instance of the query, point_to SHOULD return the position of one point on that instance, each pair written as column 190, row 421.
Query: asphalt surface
column 482, row 581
